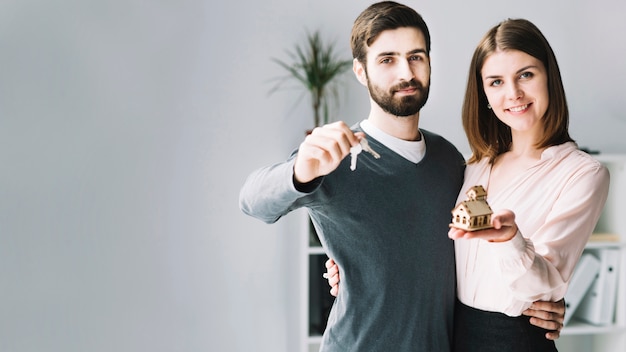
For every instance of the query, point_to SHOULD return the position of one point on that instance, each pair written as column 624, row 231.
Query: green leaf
column 315, row 67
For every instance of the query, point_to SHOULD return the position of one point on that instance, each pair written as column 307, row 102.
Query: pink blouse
column 557, row 203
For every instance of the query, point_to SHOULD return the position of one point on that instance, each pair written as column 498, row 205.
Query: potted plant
column 316, row 66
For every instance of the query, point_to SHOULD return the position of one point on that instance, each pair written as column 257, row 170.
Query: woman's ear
column 359, row 72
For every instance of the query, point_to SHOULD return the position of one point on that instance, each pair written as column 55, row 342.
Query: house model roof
column 476, row 208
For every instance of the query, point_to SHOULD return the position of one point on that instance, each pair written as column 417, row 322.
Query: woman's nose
column 515, row 92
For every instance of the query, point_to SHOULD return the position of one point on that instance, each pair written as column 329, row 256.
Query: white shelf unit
column 579, row 336
column 316, row 300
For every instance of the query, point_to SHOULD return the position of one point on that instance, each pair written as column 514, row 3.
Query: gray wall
column 127, row 129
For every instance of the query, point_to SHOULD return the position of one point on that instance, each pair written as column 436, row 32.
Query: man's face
column 398, row 71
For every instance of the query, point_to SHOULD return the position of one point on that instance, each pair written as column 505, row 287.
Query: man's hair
column 487, row 135
column 379, row 17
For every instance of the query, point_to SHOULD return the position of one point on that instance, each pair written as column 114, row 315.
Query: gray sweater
column 385, row 224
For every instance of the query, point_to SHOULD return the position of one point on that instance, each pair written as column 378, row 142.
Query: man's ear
column 359, row 72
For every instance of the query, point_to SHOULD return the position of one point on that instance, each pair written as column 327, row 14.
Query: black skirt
column 481, row 331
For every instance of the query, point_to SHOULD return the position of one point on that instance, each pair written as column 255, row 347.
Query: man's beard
column 404, row 106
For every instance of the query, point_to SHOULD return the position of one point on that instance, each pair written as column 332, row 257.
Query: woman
column 516, row 118
column 548, row 195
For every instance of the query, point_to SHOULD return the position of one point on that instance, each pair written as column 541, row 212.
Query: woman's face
column 516, row 85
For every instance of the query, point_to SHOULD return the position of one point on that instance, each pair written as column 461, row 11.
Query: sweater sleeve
column 269, row 192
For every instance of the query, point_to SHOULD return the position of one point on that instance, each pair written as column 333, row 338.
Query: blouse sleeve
column 538, row 266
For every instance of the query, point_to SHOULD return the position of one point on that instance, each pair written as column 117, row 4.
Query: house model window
column 474, row 213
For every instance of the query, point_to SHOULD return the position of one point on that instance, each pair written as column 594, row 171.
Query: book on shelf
column 584, row 274
column 604, row 237
column 598, row 305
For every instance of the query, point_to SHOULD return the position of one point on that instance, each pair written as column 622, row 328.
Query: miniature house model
column 474, row 213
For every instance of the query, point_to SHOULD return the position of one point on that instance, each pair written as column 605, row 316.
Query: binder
column 604, row 237
column 583, row 277
column 598, row 305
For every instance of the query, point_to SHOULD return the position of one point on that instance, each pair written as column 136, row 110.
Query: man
column 385, row 223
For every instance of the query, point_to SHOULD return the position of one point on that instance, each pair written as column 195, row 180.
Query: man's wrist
column 307, row 187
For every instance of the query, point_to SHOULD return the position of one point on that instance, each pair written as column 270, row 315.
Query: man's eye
column 415, row 58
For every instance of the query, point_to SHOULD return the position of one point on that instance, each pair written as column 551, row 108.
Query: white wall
column 127, row 129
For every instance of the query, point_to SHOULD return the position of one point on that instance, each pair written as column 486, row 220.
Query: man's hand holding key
column 323, row 150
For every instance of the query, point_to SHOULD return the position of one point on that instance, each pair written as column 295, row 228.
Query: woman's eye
column 526, row 75
column 495, row 83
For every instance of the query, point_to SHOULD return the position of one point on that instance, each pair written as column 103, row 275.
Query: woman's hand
column 504, row 229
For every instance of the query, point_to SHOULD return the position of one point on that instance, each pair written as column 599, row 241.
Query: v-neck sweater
column 385, row 224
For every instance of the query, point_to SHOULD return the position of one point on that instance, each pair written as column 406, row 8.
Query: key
column 354, row 151
column 366, row 146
